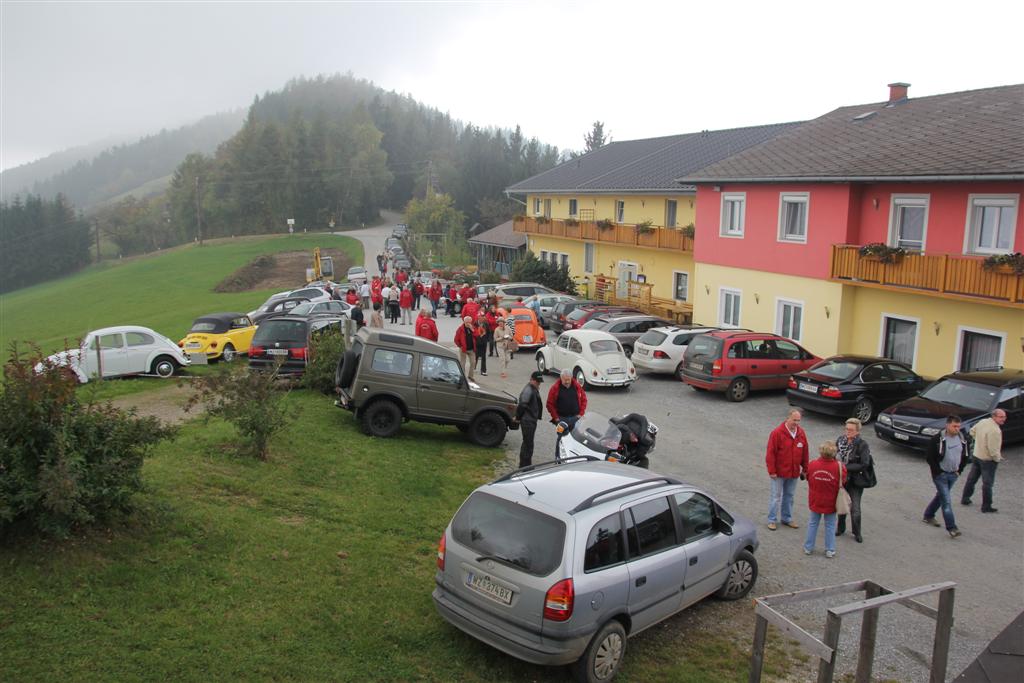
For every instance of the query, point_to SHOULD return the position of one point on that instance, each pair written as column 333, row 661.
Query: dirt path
column 166, row 404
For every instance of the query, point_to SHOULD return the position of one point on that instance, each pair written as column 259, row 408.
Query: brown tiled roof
column 963, row 134
column 500, row 236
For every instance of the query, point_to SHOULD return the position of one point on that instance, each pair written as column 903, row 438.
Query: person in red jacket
column 351, row 297
column 470, row 307
column 567, row 402
column 425, row 325
column 466, row 341
column 434, row 294
column 401, row 277
column 405, row 303
column 375, row 291
column 786, row 459
column 417, row 293
column 824, row 478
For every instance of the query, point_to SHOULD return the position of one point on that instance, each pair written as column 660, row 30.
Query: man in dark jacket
column 947, row 457
column 567, row 402
column 528, row 414
column 786, row 460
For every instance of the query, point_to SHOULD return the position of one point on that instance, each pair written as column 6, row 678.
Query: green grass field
column 164, row 291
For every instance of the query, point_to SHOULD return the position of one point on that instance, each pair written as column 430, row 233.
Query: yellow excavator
column 323, row 267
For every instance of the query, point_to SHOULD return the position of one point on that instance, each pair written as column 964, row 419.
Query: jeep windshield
column 513, row 534
column 959, row 393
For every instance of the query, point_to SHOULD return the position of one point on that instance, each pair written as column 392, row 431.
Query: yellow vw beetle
column 219, row 336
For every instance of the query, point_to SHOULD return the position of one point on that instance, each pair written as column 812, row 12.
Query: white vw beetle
column 122, row 350
column 595, row 358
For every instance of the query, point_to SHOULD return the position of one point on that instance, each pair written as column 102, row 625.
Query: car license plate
column 615, row 371
column 193, row 345
column 277, row 352
column 804, row 386
column 696, row 366
column 642, row 351
column 901, row 437
column 484, row 586
column 527, row 338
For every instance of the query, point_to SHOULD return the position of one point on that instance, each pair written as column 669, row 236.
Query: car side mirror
column 723, row 527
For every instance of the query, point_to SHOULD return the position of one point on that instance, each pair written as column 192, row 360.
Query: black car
column 277, row 307
column 853, row 386
column 556, row 321
column 970, row 395
column 285, row 339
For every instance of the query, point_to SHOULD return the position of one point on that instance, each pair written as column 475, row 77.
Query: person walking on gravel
column 786, row 459
column 466, row 342
column 855, row 455
column 947, row 457
column 528, row 413
column 988, row 447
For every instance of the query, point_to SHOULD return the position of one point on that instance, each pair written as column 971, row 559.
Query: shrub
column 531, row 269
column 605, row 224
column 882, row 252
column 252, row 401
column 1013, row 262
column 689, row 230
column 65, row 463
column 325, row 350
column 490, row 277
column 645, row 228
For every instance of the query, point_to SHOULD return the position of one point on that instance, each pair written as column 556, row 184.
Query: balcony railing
column 945, row 275
column 657, row 238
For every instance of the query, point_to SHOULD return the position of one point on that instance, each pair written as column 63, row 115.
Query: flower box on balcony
column 883, row 253
column 1005, row 264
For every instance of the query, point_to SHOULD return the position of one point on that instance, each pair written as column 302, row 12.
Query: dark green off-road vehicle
column 389, row 377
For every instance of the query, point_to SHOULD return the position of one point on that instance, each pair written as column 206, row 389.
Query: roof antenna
column 528, row 491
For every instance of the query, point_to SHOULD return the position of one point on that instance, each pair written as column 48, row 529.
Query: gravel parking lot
column 720, row 446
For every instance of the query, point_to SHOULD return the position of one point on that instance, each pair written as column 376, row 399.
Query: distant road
column 373, row 238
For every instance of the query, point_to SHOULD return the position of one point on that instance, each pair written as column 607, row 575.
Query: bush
column 65, row 463
column 325, row 351
column 490, row 277
column 531, row 269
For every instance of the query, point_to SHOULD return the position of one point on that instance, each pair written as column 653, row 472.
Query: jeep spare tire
column 488, row 429
column 346, row 370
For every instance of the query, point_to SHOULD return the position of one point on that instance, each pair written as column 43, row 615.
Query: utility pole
column 96, row 229
column 199, row 215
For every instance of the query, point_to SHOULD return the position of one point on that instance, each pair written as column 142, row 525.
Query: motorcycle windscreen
column 597, row 432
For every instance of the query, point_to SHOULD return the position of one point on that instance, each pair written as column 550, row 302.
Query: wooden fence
column 655, row 237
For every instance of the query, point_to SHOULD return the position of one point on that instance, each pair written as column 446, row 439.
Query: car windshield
column 704, row 345
column 594, row 324
column 301, row 309
column 204, row 326
column 837, row 369
column 280, row 331
column 514, row 534
column 578, row 313
column 605, row 346
column 653, row 338
column 594, row 429
column 523, row 316
column 959, row 393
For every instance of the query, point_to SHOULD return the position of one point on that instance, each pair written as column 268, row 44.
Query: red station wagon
column 738, row 362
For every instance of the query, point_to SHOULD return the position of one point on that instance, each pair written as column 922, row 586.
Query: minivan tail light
column 255, row 350
column 831, row 392
column 792, row 383
column 440, row 553
column 716, row 367
column 660, row 354
column 297, row 353
column 558, row 601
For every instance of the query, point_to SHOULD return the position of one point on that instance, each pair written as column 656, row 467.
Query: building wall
column 638, row 208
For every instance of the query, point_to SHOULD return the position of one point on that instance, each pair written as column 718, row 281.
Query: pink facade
column 837, row 213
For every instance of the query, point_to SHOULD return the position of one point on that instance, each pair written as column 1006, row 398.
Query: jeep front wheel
column 382, row 419
column 488, row 430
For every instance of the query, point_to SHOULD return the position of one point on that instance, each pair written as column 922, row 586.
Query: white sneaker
column 830, row 554
column 806, row 551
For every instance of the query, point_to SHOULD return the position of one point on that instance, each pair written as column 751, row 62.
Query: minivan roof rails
column 544, row 466
column 621, row 491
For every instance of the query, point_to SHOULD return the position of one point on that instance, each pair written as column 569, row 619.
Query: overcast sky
column 73, row 73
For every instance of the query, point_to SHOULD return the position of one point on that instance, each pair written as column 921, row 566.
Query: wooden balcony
column 943, row 275
column 658, row 238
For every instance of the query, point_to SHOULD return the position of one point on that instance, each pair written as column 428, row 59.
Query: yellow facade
column 636, row 208
column 840, row 318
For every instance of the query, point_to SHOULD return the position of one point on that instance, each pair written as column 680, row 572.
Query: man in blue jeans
column 947, row 457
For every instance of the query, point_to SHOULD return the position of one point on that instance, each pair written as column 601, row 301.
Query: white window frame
column 574, row 207
column 779, row 303
column 538, row 206
column 544, row 255
column 589, row 257
column 961, row 329
column 740, row 197
column 794, row 198
column 620, row 210
column 738, row 293
column 671, row 224
column 674, row 274
column 906, row 318
column 898, row 200
column 1003, row 200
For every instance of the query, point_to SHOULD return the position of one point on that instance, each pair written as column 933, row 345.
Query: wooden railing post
column 827, row 669
column 868, row 633
column 943, row 631
column 944, row 284
column 757, row 654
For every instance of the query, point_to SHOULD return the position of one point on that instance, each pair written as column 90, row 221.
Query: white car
column 120, row 351
column 595, row 358
column 310, row 308
column 547, row 304
column 273, row 297
column 660, row 349
column 356, row 274
column 314, row 294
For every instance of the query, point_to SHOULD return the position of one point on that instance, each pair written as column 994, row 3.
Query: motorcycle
column 628, row 439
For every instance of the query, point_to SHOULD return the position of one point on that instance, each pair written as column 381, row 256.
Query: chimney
column 898, row 92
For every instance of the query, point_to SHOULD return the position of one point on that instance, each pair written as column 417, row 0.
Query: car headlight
column 930, row 431
column 562, row 452
column 884, row 419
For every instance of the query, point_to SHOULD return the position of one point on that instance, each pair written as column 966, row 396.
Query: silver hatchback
column 560, row 563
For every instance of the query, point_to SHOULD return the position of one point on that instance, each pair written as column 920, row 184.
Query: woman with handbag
column 855, row 454
column 825, row 497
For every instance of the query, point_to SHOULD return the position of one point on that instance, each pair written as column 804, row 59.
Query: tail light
column 716, row 367
column 440, row 553
column 299, row 354
column 255, row 350
column 558, row 601
column 660, row 354
column 594, row 373
column 831, row 392
column 792, row 383
column 632, row 371
column 213, row 345
column 181, row 345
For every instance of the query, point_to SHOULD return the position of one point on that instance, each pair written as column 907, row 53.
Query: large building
column 780, row 228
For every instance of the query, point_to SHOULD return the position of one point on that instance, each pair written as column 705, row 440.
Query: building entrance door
column 627, row 274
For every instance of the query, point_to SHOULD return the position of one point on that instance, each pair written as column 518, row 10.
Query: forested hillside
column 40, row 239
column 21, row 179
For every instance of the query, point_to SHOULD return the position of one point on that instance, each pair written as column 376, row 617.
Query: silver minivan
column 560, row 563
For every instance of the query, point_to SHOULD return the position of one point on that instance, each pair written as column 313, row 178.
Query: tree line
column 40, row 239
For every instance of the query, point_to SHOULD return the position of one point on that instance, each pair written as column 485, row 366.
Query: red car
column 738, row 362
column 582, row 314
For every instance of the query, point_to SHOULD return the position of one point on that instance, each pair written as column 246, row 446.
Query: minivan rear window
column 704, row 345
column 652, row 338
column 513, row 534
column 281, row 331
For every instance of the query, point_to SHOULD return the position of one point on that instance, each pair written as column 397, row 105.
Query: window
column 874, row 373
column 671, row 209
column 680, row 285
column 651, row 528
column 793, row 216
column 789, row 319
column 729, row 308
column 537, row 210
column 564, row 261
column 138, row 339
column 588, row 258
column 573, row 208
column 604, row 544
column 108, row 341
column 544, row 256
column 991, row 221
column 908, row 219
column 575, row 346
column 620, row 211
column 437, row 369
column 392, row 362
column 697, row 514
column 899, row 373
column 1010, row 398
column 733, row 213
column 979, row 349
column 899, row 339
column 786, row 350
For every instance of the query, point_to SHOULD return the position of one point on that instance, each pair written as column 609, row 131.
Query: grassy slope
column 316, row 565
column 164, row 291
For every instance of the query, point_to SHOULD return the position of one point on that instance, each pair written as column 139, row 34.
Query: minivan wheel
column 864, row 410
column 382, row 418
column 488, row 430
column 603, row 657
column 742, row 576
column 542, row 366
column 738, row 390
column 164, row 367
